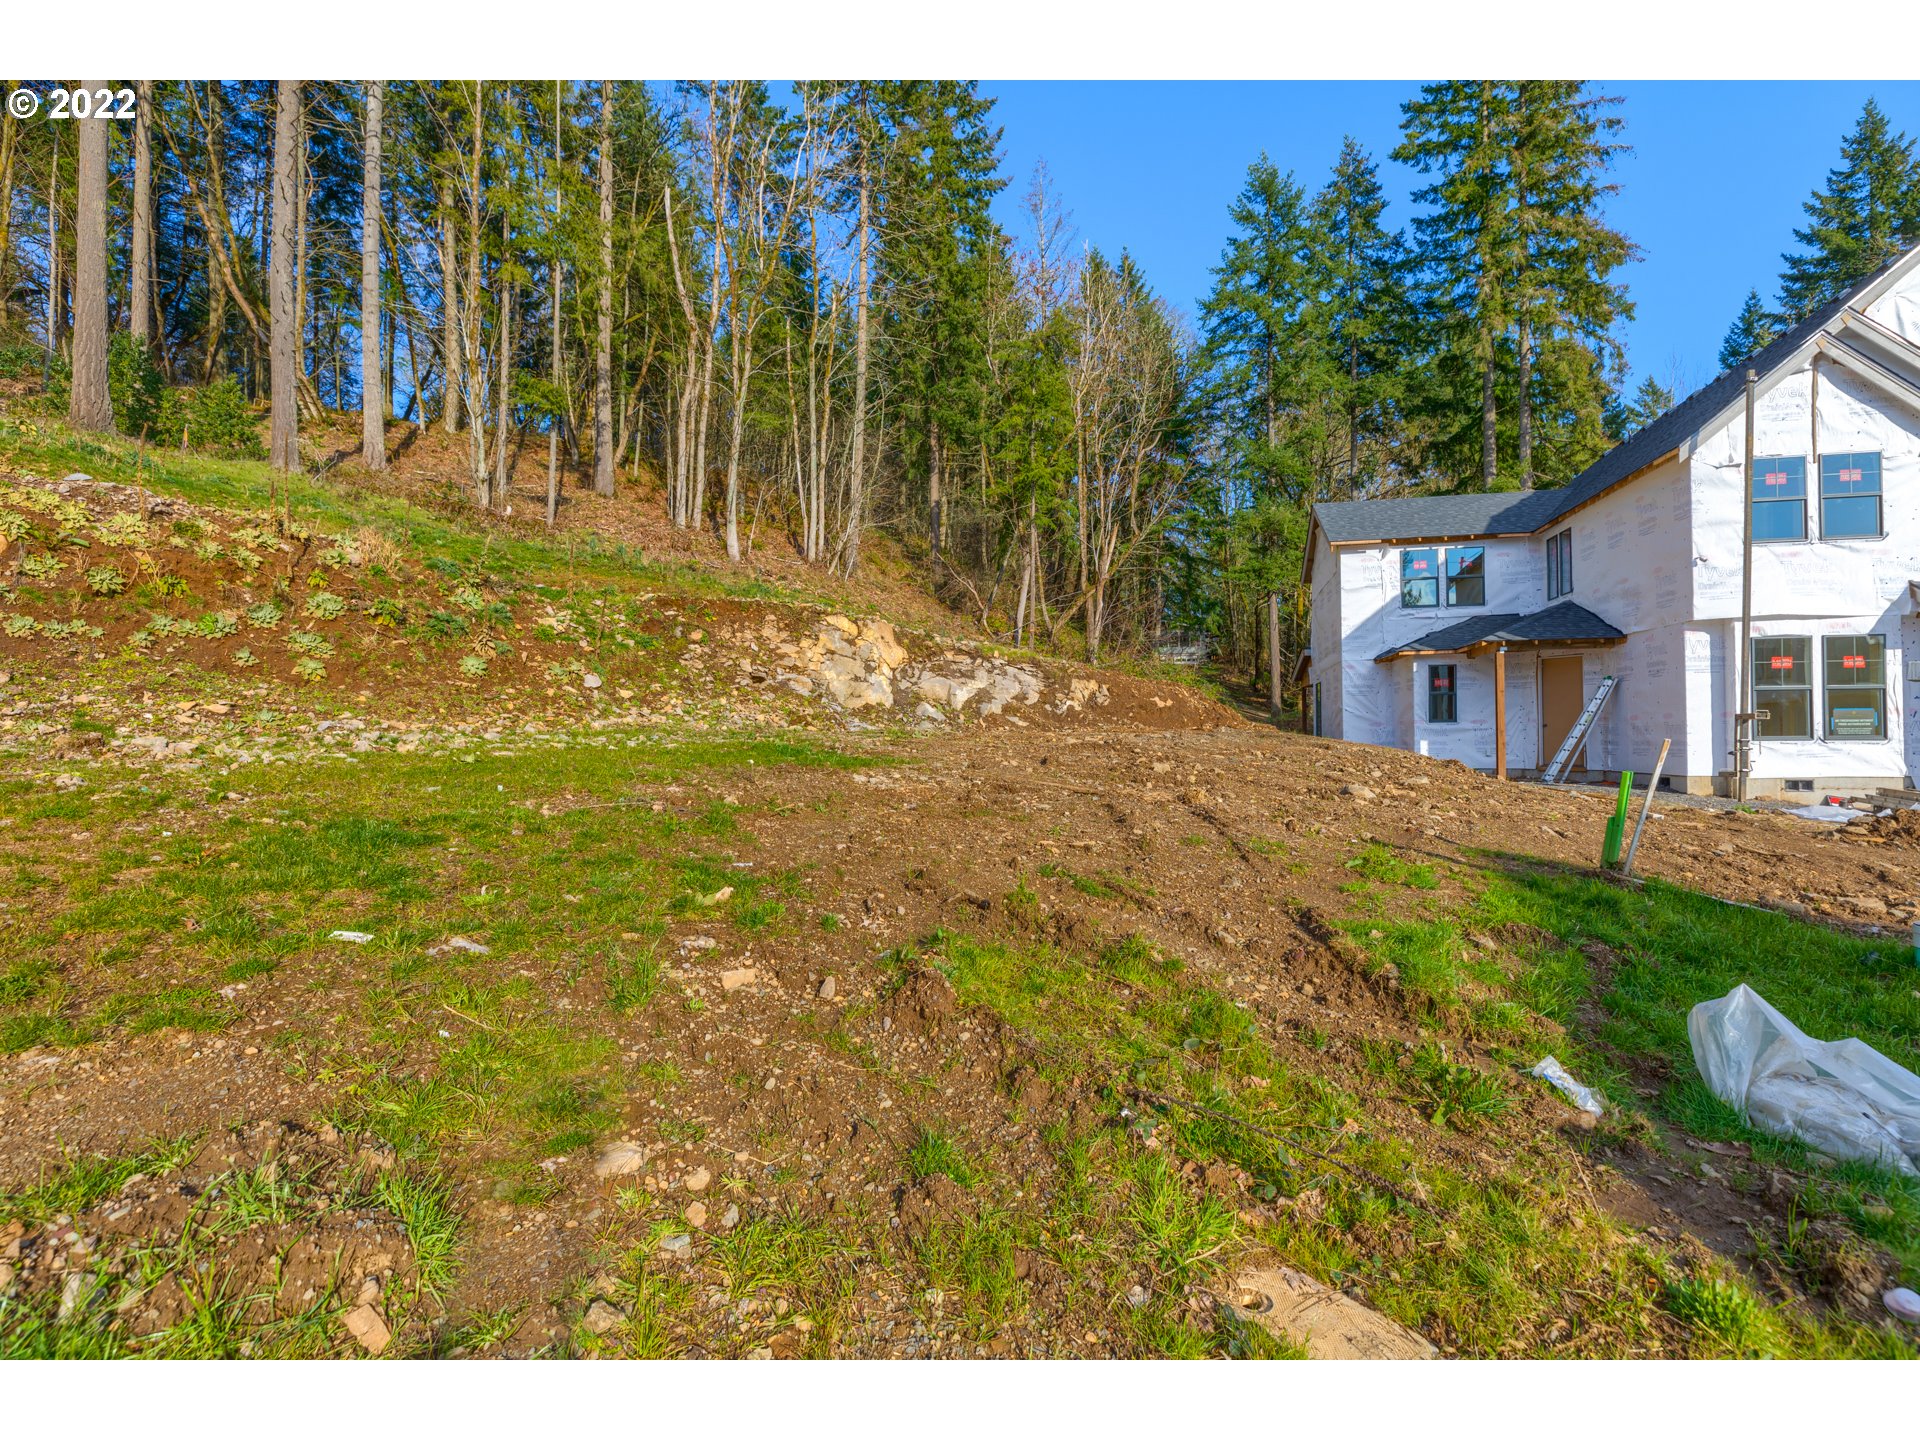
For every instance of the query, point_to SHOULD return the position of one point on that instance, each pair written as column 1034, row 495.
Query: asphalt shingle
column 1562, row 624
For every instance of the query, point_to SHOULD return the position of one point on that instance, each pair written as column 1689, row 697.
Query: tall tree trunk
column 856, row 481
column 53, row 250
column 303, row 190
column 470, row 316
column 553, row 359
column 140, row 267
column 373, row 394
column 501, row 460
column 1489, row 339
column 935, row 459
column 89, row 406
column 449, row 325
column 285, row 448
column 9, row 149
column 603, row 442
column 1525, row 401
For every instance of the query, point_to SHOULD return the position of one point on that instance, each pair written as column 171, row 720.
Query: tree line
column 793, row 318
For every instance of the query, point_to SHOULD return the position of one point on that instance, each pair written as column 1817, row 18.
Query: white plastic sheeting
column 1842, row 1097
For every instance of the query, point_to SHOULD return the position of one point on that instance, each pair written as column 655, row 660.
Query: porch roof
column 1562, row 624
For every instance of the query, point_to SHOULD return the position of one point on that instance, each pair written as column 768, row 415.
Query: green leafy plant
column 265, row 615
column 218, row 624
column 474, row 665
column 309, row 643
column 308, row 668
column 18, row 626
column 41, row 567
column 105, row 580
column 245, row 658
column 387, row 612
column 325, row 605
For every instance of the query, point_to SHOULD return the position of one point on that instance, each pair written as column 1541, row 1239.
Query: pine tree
column 1267, row 363
column 936, row 232
column 1459, row 131
column 1868, row 213
column 1363, row 278
column 1752, row 331
column 1563, row 255
column 1649, row 403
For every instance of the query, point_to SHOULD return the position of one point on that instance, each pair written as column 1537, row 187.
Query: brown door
column 1561, row 699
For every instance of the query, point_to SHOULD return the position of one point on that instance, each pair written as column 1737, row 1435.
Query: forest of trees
column 789, row 315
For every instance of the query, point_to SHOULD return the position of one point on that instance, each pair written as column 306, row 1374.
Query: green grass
column 935, row 1153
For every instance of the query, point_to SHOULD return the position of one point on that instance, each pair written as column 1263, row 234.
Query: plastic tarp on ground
column 1842, row 1097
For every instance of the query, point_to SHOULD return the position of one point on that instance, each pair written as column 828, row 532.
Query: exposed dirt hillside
column 509, row 961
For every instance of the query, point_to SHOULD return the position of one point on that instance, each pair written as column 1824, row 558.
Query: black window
column 1780, row 498
column 1467, row 575
column 1783, row 686
column 1856, row 676
column 1560, row 564
column 1443, row 706
column 1419, row 578
column 1850, row 496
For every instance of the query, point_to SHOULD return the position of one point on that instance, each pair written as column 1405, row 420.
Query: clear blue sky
column 1711, row 193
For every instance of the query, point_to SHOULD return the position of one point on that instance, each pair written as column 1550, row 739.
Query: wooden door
column 1562, row 696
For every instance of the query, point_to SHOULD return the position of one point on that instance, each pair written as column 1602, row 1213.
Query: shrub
column 221, row 421
column 138, row 389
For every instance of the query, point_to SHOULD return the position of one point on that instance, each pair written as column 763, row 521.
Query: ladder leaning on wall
column 1577, row 737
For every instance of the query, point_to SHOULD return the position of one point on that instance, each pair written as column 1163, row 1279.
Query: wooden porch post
column 1500, row 712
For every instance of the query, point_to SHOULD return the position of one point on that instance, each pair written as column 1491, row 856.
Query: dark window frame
column 1762, row 693
column 1453, row 580
column 1406, row 584
column 1766, row 505
column 1448, row 693
column 1839, row 464
column 1560, row 564
column 1875, row 660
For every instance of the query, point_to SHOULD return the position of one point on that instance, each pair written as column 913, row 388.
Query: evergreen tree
column 1649, row 403
column 1267, row 365
column 1459, row 132
column 1751, row 332
column 1868, row 213
column 936, row 233
column 1563, row 256
column 1363, row 279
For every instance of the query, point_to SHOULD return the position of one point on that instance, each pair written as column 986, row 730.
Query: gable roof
column 1524, row 512
column 1562, row 624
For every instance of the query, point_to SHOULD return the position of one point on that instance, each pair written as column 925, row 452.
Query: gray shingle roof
column 1470, row 516
column 1562, row 624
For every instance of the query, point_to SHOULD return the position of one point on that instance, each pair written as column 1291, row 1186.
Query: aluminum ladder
column 1577, row 736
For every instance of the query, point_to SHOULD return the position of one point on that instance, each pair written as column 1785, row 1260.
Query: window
column 1419, row 579
column 1467, row 575
column 1780, row 498
column 1783, row 686
column 1443, row 706
column 1856, row 677
column 1560, row 564
column 1850, row 497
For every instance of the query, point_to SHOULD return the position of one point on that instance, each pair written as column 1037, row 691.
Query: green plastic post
column 1617, row 823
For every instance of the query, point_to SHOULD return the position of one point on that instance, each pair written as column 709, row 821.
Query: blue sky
column 1711, row 193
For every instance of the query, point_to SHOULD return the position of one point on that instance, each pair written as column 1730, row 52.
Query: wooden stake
column 1626, row 866
column 1500, row 713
